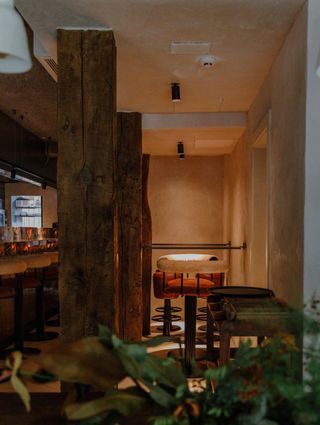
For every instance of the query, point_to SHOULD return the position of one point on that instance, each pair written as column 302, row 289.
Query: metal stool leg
column 190, row 332
column 167, row 318
column 19, row 325
column 41, row 334
column 18, row 319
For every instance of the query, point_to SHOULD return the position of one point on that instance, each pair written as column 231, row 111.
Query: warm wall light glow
column 189, row 257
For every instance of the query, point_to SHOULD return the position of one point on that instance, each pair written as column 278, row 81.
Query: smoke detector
column 207, row 61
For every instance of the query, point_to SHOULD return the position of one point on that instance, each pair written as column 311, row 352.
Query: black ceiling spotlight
column 13, row 173
column 175, row 92
column 180, row 150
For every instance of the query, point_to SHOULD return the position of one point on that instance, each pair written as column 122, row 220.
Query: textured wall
column 285, row 93
column 312, row 158
column 186, row 200
column 235, row 228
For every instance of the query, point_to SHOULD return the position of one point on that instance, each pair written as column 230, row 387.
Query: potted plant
column 259, row 387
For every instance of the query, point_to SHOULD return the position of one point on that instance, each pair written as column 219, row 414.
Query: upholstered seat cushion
column 189, row 287
column 191, row 263
column 54, row 256
column 216, row 278
column 160, row 282
column 12, row 266
column 7, row 292
column 37, row 261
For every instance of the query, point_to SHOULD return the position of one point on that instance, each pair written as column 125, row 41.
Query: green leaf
column 105, row 335
column 124, row 402
column 161, row 396
column 154, row 342
column 164, row 420
column 14, row 363
column 164, row 371
column 87, row 361
column 216, row 374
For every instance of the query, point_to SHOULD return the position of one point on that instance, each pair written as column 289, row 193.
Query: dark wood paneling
column 21, row 148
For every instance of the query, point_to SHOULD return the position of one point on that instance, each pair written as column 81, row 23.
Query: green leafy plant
column 259, row 387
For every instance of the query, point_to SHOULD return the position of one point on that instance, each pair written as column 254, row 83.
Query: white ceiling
column 203, row 134
column 245, row 35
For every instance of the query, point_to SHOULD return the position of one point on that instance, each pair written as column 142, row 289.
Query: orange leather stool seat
column 160, row 283
column 189, row 287
column 216, row 278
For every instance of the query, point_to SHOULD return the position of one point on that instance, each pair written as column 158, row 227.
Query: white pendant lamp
column 14, row 49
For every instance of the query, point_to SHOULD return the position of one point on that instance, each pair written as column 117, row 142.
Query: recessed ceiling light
column 175, row 92
column 190, row 47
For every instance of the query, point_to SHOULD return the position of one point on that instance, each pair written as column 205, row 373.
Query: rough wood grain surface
column 86, row 164
column 129, row 203
column 146, row 252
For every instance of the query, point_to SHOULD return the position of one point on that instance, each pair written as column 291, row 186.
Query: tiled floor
column 30, row 364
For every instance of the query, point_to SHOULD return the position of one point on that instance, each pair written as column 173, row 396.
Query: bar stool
column 190, row 289
column 52, row 275
column 37, row 264
column 160, row 282
column 10, row 293
column 16, row 267
column 218, row 280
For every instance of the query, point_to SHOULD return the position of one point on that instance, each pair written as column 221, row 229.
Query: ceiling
column 203, row 134
column 31, row 99
column 244, row 35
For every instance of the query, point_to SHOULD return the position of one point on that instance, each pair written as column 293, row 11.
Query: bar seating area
column 159, row 204
column 19, row 275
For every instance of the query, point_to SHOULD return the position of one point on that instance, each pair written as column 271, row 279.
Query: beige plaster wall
column 235, row 228
column 49, row 200
column 186, row 200
column 284, row 92
column 312, row 157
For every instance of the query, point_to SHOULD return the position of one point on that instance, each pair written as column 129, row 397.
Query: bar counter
column 22, row 243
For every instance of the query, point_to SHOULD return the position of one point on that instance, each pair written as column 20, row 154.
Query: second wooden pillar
column 129, row 202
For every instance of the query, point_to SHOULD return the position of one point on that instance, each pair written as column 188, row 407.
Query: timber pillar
column 86, row 174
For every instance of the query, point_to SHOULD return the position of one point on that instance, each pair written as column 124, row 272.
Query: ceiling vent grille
column 49, row 64
column 53, row 65
column 190, row 47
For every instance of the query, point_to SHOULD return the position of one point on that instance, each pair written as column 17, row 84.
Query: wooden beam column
column 129, row 203
column 86, row 167
column 146, row 251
